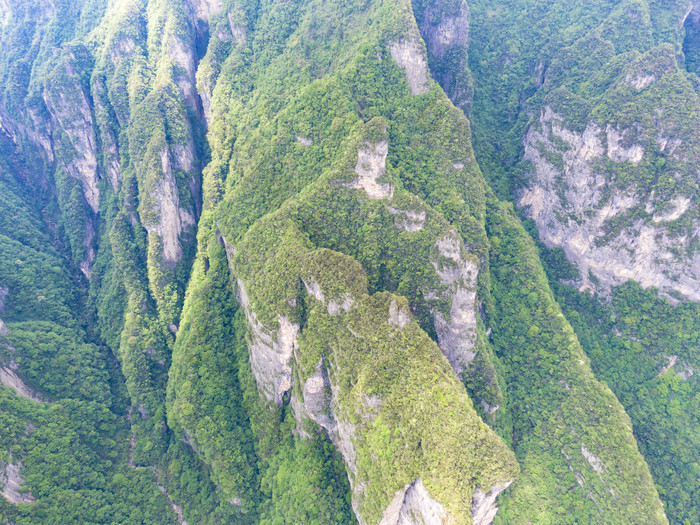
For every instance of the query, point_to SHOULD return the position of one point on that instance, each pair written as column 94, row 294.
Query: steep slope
column 598, row 133
column 586, row 117
column 273, row 217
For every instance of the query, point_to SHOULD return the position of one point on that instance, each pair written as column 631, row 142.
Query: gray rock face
column 270, row 352
column 398, row 316
column 414, row 506
column 204, row 9
column 10, row 379
column 371, row 165
column 11, row 481
column 183, row 58
column 3, row 328
column 408, row 220
column 69, row 107
column 572, row 204
column 4, row 292
column 173, row 218
column 410, row 56
column 448, row 31
column 457, row 333
column 484, row 506
column 444, row 30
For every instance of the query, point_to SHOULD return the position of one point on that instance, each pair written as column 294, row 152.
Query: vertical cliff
column 253, row 271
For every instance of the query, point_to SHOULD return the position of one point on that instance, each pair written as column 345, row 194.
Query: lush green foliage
column 631, row 342
column 560, row 411
column 135, row 317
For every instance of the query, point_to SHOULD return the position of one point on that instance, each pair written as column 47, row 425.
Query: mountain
column 358, row 261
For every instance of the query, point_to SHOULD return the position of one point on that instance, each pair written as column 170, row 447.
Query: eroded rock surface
column 371, row 165
column 11, row 481
column 410, row 56
column 458, row 273
column 173, row 219
column 9, row 378
column 484, row 506
column 69, row 107
column 573, row 203
column 270, row 353
column 414, row 506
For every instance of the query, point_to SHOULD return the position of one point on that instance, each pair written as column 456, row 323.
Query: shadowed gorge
column 429, row 262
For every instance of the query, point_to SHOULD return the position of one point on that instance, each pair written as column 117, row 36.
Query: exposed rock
column 313, row 288
column 414, row 506
column 371, row 165
column 456, row 335
column 177, row 509
column 204, row 9
column 410, row 56
column 683, row 370
column 86, row 264
column 4, row 292
column 686, row 372
column 9, row 378
column 270, row 353
column 484, row 506
column 411, row 221
column 183, row 57
column 679, row 206
column 640, row 81
column 593, row 460
column 617, row 152
column 173, row 219
column 572, row 206
column 69, row 107
column 317, row 397
column 448, row 32
column 303, row 141
column 238, row 31
column 667, row 145
column 3, row 328
column 398, row 316
column 336, row 306
column 672, row 360
column 11, row 481
column 5, row 12
column 489, row 409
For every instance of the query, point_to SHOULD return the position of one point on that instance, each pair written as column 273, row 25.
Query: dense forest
column 349, row 261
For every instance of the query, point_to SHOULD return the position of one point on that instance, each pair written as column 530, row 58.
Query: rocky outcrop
column 11, row 481
column 71, row 114
column 445, row 29
column 458, row 274
column 184, row 60
column 10, row 379
column 444, row 32
column 410, row 56
column 173, row 219
column 4, row 292
column 408, row 220
column 204, row 9
column 371, row 166
column 484, row 508
column 414, row 506
column 270, row 352
column 574, row 203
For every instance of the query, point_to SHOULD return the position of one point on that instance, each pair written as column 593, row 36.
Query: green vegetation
column 560, row 411
column 631, row 342
column 251, row 271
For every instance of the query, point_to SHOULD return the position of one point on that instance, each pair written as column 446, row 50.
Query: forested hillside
column 359, row 261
